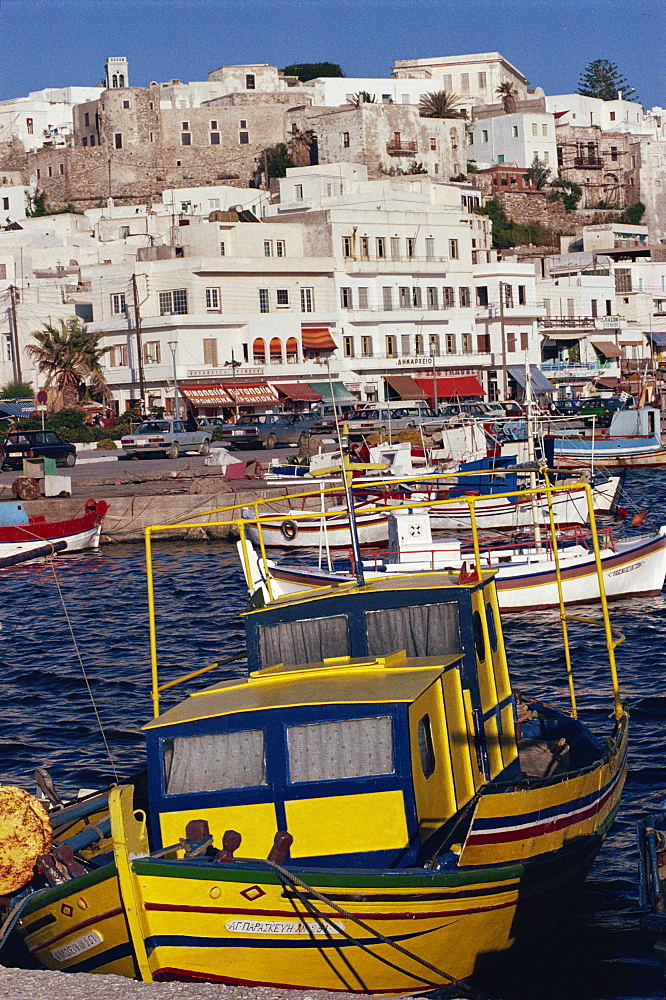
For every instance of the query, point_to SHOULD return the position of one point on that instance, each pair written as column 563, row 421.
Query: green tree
column 310, row 71
column 633, row 213
column 538, row 173
column 601, row 78
column 507, row 93
column 278, row 160
column 16, row 390
column 567, row 192
column 441, row 104
column 507, row 233
column 70, row 359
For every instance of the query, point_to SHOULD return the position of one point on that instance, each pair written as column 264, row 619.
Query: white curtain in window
column 308, row 641
column 214, row 761
column 352, row 748
column 423, row 630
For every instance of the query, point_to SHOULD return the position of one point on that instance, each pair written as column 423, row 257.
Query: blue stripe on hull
column 102, row 958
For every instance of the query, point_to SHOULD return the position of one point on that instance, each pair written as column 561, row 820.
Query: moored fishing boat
column 23, row 537
column 422, row 814
column 633, row 440
column 526, row 571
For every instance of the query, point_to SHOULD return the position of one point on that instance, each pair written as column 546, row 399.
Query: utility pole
column 505, row 374
column 139, row 348
column 16, row 358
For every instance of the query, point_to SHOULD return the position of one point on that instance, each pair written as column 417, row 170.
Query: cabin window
column 492, row 631
column 479, row 641
column 332, row 751
column 214, row 761
column 423, row 630
column 426, row 746
column 308, row 641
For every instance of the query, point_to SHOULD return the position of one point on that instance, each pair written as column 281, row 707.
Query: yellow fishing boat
column 372, row 809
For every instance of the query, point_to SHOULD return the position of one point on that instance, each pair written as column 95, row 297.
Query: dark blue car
column 37, row 444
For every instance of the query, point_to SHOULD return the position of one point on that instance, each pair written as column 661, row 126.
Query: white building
column 473, row 77
column 44, row 117
column 519, row 138
column 609, row 116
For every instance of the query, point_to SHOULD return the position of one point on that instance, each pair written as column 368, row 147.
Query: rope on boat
column 469, row 991
column 85, row 676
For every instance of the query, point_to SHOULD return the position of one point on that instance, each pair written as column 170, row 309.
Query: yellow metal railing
column 241, row 524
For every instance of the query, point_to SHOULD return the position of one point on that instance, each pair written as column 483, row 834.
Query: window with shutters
column 433, row 344
column 405, row 344
column 447, row 298
column 522, row 295
column 418, row 343
column 432, row 298
column 210, row 352
column 464, row 296
column 366, row 347
column 362, row 298
column 268, row 248
column 346, row 299
column 453, row 249
column 213, row 299
column 348, row 347
column 395, row 248
column 430, row 248
column 511, row 341
column 264, row 301
column 387, row 297
column 450, row 341
column 118, row 356
column 346, row 246
column 365, row 247
column 483, row 343
column 307, row 300
column 466, row 339
column 280, row 248
column 622, row 279
column 524, row 340
column 404, row 298
column 416, row 298
column 411, row 246
column 482, row 295
column 381, row 247
column 391, row 346
column 152, row 352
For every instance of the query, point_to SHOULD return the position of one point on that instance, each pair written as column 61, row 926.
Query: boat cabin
column 370, row 717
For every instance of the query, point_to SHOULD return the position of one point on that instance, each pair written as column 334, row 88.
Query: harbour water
column 78, row 628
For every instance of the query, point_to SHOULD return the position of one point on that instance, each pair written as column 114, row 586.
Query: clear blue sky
column 52, row 43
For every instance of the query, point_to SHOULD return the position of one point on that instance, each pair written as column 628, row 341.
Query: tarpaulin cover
column 452, row 386
column 539, row 381
column 405, row 387
column 340, row 392
column 657, row 337
column 19, row 408
column 299, row 390
column 608, row 349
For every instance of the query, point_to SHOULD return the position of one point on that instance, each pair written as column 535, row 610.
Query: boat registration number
column 77, row 947
column 284, row 928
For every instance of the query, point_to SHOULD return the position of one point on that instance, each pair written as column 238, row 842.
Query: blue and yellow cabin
column 370, row 717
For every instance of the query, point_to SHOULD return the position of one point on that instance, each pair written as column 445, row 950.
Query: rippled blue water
column 48, row 719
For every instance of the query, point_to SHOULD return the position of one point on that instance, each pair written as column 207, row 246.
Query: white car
column 169, row 437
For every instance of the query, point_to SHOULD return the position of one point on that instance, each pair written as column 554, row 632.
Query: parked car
column 324, row 416
column 380, row 417
column 37, row 444
column 602, row 409
column 564, row 407
column 454, row 410
column 168, row 437
column 212, row 422
column 268, row 430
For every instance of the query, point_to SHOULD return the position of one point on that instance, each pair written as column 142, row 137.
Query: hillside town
column 132, row 212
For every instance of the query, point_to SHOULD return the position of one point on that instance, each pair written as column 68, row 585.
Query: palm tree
column 508, row 94
column 362, row 97
column 299, row 145
column 69, row 356
column 441, row 104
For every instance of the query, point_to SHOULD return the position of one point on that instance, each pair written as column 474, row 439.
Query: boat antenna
column 346, row 479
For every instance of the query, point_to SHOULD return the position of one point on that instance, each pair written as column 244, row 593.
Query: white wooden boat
column 632, row 440
column 526, row 572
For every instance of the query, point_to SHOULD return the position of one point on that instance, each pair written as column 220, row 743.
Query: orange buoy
column 638, row 519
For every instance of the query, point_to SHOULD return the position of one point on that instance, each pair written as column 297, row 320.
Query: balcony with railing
column 566, row 322
column 587, row 162
column 396, row 147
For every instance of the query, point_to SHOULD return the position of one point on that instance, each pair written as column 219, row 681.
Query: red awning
column 317, row 339
column 251, row 392
column 298, row 390
column 405, row 386
column 206, row 395
column 452, row 386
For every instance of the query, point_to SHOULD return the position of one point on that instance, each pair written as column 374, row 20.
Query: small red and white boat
column 23, row 538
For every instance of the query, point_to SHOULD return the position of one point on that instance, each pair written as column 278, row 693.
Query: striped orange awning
column 206, row 395
column 251, row 392
column 317, row 339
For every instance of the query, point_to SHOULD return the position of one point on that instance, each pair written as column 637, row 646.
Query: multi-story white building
column 519, row 138
column 44, row 117
column 609, row 116
column 473, row 77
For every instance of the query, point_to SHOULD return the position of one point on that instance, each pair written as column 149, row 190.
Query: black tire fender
column 289, row 530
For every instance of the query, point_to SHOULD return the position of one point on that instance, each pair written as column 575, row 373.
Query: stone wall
column 534, row 206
